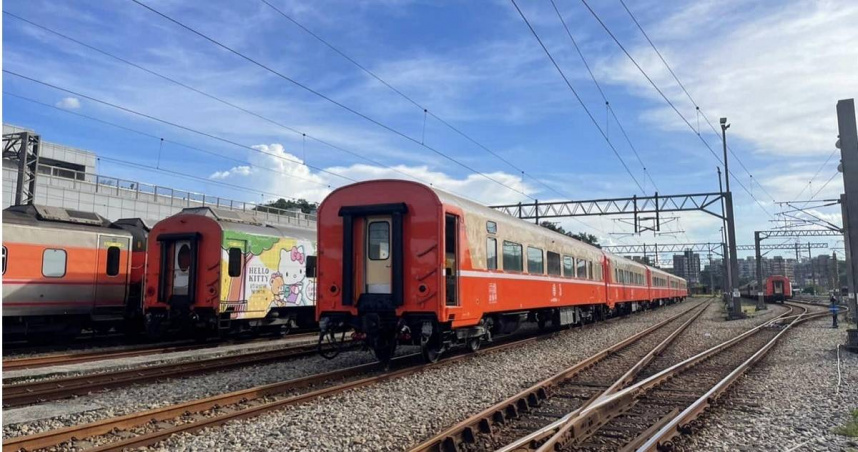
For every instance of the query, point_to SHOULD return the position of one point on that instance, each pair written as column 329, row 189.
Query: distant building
column 687, row 265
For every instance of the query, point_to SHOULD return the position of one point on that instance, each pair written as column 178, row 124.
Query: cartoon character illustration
column 287, row 283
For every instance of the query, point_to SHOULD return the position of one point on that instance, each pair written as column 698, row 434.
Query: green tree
column 283, row 204
column 582, row 236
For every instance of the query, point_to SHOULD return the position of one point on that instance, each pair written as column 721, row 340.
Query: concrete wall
column 117, row 198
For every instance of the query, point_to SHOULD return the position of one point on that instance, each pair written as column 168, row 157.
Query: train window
column 535, row 264
column 582, row 268
column 379, row 240
column 568, row 266
column 236, row 256
column 491, row 254
column 5, row 251
column 491, row 227
column 54, row 263
column 553, row 263
column 113, row 254
column 591, row 274
column 598, row 272
column 512, row 256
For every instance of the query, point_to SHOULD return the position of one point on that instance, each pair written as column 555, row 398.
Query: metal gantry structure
column 698, row 247
column 642, row 208
column 23, row 149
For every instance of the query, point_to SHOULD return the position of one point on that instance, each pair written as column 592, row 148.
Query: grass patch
column 851, row 427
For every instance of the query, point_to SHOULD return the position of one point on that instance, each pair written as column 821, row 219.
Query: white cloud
column 68, row 103
column 777, row 75
column 275, row 170
column 242, row 170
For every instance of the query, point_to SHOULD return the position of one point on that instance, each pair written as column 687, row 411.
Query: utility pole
column 812, row 270
column 733, row 267
column 761, row 299
column 848, row 144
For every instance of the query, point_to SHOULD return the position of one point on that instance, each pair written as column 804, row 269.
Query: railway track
column 152, row 426
column 149, row 427
column 59, row 388
column 643, row 416
column 61, row 359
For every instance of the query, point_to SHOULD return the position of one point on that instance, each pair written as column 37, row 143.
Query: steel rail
column 53, row 389
column 483, row 422
column 56, row 437
column 625, row 379
column 672, row 428
column 61, row 359
column 155, row 437
column 593, row 417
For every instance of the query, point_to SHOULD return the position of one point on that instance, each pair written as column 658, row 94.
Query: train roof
column 248, row 222
column 59, row 217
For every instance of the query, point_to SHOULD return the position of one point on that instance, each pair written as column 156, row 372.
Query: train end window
column 491, row 227
column 54, row 263
column 311, row 267
column 379, row 240
column 234, row 264
column 554, row 267
column 491, row 254
column 113, row 254
column 5, row 253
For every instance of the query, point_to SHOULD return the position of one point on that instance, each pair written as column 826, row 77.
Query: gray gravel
column 400, row 413
column 788, row 401
column 128, row 400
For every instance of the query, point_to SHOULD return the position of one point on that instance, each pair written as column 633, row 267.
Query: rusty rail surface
column 484, row 422
column 53, row 389
column 62, row 359
column 589, row 420
column 56, row 437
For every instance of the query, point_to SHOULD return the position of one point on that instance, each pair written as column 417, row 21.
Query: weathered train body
column 65, row 270
column 776, row 289
column 215, row 270
column 402, row 262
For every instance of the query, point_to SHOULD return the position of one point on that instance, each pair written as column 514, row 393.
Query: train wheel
column 474, row 344
column 431, row 352
column 384, row 347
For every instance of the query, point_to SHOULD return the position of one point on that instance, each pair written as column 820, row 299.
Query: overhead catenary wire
column 693, row 102
column 163, row 140
column 301, row 133
column 172, row 124
column 328, row 98
column 578, row 97
column 425, row 109
column 671, row 104
column 609, row 108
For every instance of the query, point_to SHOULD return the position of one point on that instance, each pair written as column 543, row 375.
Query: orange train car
column 65, row 270
column 217, row 271
column 777, row 289
column 399, row 261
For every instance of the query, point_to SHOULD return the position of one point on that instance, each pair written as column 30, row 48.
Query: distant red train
column 401, row 262
column 777, row 289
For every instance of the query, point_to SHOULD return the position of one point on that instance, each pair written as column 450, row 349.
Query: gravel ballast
column 789, row 400
column 396, row 414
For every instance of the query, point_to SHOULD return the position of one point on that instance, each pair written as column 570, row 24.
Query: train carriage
column 215, row 270
column 776, row 289
column 63, row 270
column 403, row 262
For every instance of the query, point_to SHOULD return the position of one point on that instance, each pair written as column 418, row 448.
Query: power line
column 210, row 96
column 179, row 126
column 697, row 107
column 581, row 101
column 327, row 98
column 165, row 140
column 666, row 99
column 816, row 174
column 604, row 97
column 425, row 109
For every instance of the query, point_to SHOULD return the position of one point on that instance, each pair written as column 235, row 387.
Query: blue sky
column 776, row 69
